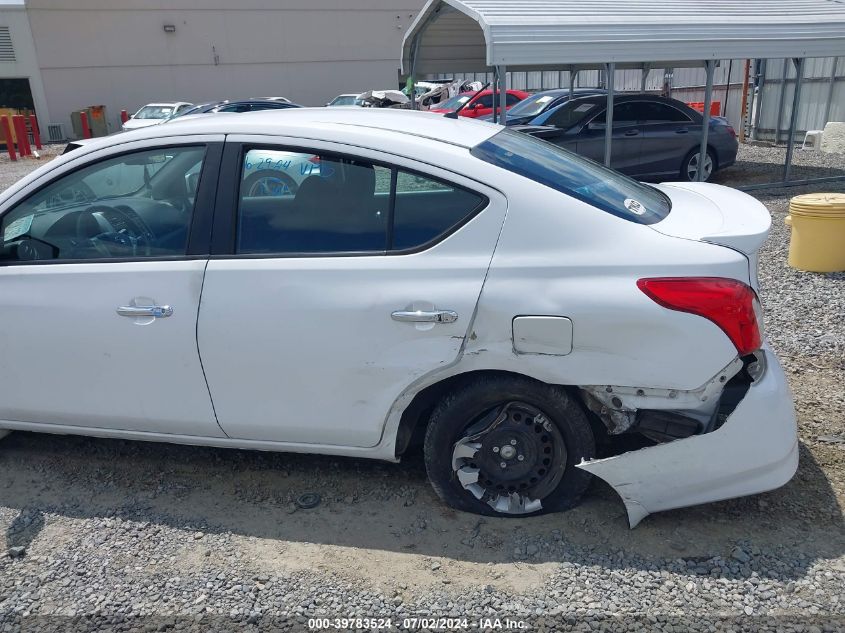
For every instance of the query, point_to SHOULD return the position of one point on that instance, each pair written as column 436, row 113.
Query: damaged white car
column 513, row 308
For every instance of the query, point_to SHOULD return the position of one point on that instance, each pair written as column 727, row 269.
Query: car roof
column 327, row 124
column 624, row 98
column 555, row 92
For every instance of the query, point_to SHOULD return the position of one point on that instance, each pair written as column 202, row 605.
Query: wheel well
column 415, row 417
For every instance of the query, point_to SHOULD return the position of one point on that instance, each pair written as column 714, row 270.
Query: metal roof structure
column 473, row 35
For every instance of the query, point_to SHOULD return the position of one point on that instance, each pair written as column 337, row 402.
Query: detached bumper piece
column 752, row 449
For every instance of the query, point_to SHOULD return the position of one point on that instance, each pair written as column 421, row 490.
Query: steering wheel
column 116, row 231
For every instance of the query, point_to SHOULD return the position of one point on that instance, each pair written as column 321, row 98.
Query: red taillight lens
column 730, row 304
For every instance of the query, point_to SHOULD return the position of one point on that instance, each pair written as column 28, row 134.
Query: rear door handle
column 157, row 312
column 632, row 133
column 420, row 316
column 683, row 130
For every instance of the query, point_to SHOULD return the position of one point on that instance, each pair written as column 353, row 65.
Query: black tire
column 269, row 174
column 460, row 410
column 689, row 158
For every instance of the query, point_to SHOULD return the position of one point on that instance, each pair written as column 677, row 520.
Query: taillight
column 728, row 303
column 731, row 131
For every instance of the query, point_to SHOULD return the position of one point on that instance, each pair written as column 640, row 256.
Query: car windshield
column 454, row 103
column 195, row 110
column 570, row 113
column 154, row 112
column 574, row 175
column 345, row 100
column 532, row 106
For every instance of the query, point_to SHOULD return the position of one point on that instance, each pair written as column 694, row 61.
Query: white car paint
column 300, row 354
column 138, row 121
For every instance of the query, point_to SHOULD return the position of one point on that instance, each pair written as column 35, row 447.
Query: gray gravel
column 111, row 535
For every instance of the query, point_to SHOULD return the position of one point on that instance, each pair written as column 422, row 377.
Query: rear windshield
column 574, row 175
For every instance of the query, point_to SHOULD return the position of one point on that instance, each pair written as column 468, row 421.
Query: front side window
column 136, row 205
column 575, row 176
column 484, row 101
column 294, row 202
column 512, row 99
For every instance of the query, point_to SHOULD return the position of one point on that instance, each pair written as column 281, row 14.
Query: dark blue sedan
column 539, row 103
column 653, row 137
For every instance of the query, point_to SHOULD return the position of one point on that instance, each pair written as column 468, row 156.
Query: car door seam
column 199, row 351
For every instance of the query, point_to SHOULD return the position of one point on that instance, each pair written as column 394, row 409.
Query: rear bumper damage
column 755, row 450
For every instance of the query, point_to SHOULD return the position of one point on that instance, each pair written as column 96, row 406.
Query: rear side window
column 652, row 112
column 574, row 175
column 426, row 209
column 294, row 202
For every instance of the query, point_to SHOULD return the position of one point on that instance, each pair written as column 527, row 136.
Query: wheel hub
column 513, row 461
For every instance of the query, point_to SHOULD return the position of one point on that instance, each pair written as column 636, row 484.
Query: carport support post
column 709, row 67
column 646, row 69
column 831, row 89
column 608, row 131
column 573, row 77
column 495, row 92
column 503, row 95
column 793, row 117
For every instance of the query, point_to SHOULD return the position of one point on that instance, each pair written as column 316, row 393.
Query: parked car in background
column 155, row 113
column 272, row 173
column 345, row 100
column 244, row 105
column 653, row 137
column 540, row 102
column 507, row 305
column 478, row 104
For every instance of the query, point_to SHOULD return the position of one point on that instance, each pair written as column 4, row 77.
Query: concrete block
column 833, row 139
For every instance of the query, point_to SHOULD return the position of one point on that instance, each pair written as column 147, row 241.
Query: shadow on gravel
column 744, row 173
column 390, row 507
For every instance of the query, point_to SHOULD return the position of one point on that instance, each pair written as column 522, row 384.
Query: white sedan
column 519, row 311
column 154, row 113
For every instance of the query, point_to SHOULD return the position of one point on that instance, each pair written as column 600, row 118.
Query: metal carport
column 475, row 35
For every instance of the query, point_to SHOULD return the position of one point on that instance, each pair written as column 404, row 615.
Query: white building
column 125, row 53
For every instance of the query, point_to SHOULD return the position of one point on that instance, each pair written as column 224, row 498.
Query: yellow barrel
column 818, row 232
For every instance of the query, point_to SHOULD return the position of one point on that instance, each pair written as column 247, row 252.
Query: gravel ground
column 113, row 535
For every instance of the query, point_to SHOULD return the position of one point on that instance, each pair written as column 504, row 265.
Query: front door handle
column 420, row 316
column 157, row 312
column 632, row 133
column 682, row 130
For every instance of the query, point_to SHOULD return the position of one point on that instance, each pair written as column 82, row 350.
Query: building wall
column 25, row 65
column 116, row 52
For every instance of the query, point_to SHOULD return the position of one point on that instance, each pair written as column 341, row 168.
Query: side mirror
column 596, row 126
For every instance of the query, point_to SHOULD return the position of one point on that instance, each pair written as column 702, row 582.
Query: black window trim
column 225, row 231
column 198, row 244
